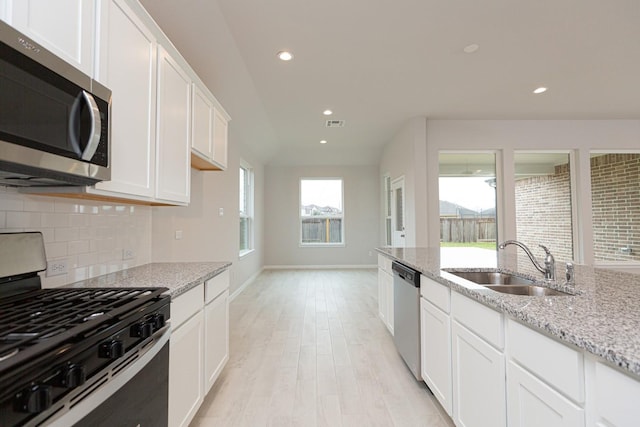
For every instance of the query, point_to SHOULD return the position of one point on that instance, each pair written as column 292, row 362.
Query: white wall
column 90, row 235
column 406, row 156
column 503, row 136
column 282, row 216
column 207, row 236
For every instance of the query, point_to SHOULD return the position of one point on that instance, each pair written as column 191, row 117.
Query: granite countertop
column 603, row 317
column 178, row 277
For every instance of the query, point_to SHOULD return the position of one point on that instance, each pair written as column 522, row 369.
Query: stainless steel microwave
column 54, row 120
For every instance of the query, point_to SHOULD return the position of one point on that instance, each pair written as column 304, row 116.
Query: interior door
column 398, row 234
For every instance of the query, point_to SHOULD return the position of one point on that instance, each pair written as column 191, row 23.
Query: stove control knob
column 35, row 399
column 111, row 349
column 73, row 375
column 159, row 321
column 142, row 330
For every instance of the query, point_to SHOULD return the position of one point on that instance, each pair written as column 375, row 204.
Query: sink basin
column 531, row 290
column 492, row 278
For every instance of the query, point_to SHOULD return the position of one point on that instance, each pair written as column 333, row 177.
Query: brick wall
column 543, row 216
column 615, row 184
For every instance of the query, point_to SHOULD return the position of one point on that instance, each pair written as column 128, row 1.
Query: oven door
column 135, row 397
column 52, row 123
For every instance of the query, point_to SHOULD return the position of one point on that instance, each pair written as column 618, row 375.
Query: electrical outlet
column 178, row 234
column 370, row 253
column 128, row 254
column 57, row 267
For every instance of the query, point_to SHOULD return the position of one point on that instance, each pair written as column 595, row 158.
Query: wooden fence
column 465, row 230
column 321, row 230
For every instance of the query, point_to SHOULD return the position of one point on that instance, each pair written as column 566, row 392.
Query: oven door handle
column 89, row 150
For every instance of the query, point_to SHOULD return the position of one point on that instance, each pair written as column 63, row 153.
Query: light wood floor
column 308, row 349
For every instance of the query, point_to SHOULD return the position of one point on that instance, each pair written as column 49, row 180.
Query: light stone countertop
column 603, row 317
column 178, row 277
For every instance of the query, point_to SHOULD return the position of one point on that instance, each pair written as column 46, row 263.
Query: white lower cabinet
column 478, row 381
column 199, row 346
column 615, row 401
column 385, row 292
column 532, row 403
column 186, row 391
column 435, row 331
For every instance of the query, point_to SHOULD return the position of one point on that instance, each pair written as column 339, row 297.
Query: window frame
column 249, row 214
column 342, row 216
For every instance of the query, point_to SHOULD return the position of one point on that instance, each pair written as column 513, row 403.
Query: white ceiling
column 377, row 64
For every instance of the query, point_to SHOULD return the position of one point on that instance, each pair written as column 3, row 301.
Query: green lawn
column 483, row 245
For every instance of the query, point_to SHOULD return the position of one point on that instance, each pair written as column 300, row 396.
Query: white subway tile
column 11, row 202
column 38, row 204
column 23, row 220
column 79, row 220
column 87, row 259
column 3, row 219
column 55, row 220
column 85, row 233
column 78, row 247
column 66, row 234
column 66, row 206
column 48, row 234
column 56, row 249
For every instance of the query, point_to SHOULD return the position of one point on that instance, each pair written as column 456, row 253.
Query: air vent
column 335, row 123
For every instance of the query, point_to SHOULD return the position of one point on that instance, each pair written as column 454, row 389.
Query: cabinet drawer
column 482, row 320
column 186, row 305
column 617, row 396
column 437, row 294
column 215, row 286
column 384, row 263
column 555, row 363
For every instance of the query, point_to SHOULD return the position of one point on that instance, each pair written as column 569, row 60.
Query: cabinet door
column 615, row 399
column 65, row 27
column 478, row 381
column 127, row 65
column 533, row 403
column 390, row 299
column 435, row 348
column 186, row 390
column 216, row 339
column 382, row 295
column 220, row 129
column 173, row 133
column 202, row 125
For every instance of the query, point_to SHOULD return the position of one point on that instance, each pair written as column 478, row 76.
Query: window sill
column 245, row 253
column 321, row 245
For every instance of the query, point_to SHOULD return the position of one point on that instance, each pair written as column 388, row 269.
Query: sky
column 469, row 192
column 321, row 192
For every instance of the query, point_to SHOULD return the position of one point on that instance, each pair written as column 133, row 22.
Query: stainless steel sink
column 507, row 283
column 531, row 290
column 492, row 278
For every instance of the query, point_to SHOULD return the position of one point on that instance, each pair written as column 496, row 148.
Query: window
column 543, row 205
column 468, row 220
column 246, row 208
column 387, row 209
column 321, row 213
column 615, row 198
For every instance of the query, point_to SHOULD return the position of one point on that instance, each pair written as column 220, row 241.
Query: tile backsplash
column 94, row 238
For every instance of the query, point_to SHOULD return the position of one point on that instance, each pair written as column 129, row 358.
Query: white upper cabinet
column 127, row 65
column 202, row 138
column 210, row 127
column 65, row 27
column 173, row 130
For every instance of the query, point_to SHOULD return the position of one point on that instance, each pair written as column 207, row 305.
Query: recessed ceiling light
column 471, row 48
column 540, row 90
column 324, row 141
column 285, row 55
column 327, row 112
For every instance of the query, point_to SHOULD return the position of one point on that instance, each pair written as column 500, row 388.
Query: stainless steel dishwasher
column 406, row 315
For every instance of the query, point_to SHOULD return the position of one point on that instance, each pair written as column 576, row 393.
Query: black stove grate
column 42, row 319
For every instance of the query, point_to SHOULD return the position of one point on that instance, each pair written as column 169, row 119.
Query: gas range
column 60, row 349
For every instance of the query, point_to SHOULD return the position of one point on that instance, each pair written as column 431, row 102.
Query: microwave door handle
column 96, row 127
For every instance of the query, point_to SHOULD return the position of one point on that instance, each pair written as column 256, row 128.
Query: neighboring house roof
column 453, row 210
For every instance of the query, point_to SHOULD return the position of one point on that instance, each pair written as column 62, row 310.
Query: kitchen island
column 577, row 355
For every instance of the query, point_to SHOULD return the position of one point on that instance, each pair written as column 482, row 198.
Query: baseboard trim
column 320, row 267
column 245, row 284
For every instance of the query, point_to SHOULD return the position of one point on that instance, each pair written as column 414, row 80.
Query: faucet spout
column 549, row 267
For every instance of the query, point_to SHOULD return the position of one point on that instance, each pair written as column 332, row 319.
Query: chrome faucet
column 549, row 268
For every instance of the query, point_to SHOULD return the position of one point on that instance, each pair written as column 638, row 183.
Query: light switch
column 220, row 211
column 178, row 234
